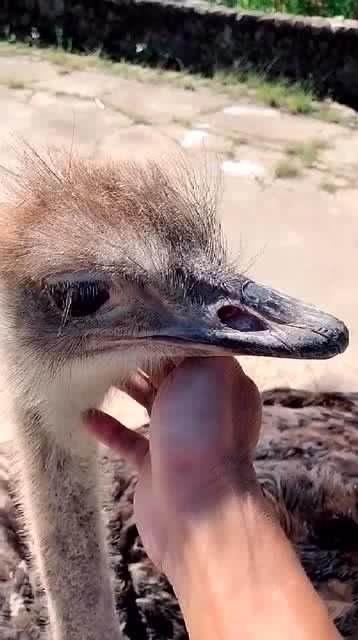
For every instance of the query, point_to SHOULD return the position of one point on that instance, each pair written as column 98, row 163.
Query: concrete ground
column 289, row 203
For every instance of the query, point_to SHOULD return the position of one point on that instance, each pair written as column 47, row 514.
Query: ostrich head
column 105, row 268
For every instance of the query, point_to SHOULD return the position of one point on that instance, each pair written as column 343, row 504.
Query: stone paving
column 297, row 232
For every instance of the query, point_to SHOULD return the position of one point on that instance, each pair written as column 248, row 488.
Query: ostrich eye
column 79, row 299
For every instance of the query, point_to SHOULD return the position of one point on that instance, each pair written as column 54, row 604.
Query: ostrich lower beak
column 263, row 322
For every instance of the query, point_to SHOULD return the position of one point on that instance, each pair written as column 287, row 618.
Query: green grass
column 12, row 83
column 328, row 186
column 328, row 8
column 287, row 168
column 280, row 94
column 17, row 84
column 293, row 98
column 307, row 152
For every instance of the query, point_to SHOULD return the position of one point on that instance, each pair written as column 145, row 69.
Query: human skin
column 201, row 514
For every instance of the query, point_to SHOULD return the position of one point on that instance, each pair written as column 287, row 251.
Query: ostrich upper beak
column 260, row 321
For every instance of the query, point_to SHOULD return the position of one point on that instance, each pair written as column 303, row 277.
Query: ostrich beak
column 260, row 321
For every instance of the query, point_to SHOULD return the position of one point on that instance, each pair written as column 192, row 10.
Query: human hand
column 205, row 424
column 199, row 508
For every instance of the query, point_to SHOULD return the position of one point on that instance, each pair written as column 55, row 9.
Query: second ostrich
column 104, row 270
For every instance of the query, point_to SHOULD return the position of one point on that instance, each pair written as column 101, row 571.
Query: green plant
column 286, row 168
column 328, row 186
column 345, row 8
column 307, row 152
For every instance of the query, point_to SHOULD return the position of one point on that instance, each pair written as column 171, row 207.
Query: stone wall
column 198, row 36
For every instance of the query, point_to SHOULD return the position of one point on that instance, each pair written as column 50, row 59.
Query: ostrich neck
column 58, row 479
column 61, row 400
column 61, row 491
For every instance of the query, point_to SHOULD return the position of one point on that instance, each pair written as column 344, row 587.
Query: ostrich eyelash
column 78, row 299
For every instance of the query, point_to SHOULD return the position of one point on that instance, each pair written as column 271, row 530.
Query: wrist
column 236, row 564
column 213, row 568
column 224, row 529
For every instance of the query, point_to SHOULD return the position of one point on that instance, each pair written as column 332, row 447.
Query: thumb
column 131, row 445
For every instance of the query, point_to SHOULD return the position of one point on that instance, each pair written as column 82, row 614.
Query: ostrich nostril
column 240, row 319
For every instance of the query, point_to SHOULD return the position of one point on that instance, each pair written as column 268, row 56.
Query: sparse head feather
column 65, row 213
column 78, row 236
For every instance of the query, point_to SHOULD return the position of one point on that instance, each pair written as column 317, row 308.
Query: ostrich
column 106, row 269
